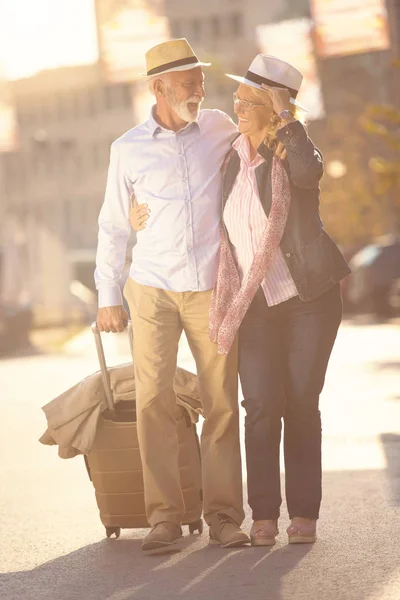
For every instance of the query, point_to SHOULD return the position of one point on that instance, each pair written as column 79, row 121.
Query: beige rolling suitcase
column 115, row 469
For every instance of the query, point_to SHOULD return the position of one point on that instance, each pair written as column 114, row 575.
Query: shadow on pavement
column 389, row 365
column 356, row 556
column 362, row 319
column 118, row 570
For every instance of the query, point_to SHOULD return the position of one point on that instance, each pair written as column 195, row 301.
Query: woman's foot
column 302, row 531
column 263, row 532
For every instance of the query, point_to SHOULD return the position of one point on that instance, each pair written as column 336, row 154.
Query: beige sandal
column 263, row 533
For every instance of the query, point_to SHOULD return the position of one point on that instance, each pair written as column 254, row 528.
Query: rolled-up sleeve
column 114, row 230
column 304, row 159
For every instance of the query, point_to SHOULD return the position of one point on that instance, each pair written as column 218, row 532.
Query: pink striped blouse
column 245, row 221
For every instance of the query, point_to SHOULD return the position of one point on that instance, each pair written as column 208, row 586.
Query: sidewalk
column 55, row 547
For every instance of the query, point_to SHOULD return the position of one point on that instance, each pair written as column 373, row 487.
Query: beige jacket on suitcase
column 97, row 418
column 73, row 417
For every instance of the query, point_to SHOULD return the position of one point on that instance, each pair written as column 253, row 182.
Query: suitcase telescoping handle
column 102, row 361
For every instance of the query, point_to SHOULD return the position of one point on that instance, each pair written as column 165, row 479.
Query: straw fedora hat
column 174, row 55
column 268, row 71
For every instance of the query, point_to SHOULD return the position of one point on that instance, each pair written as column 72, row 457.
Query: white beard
column 182, row 109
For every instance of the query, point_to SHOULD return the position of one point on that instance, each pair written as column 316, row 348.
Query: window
column 49, row 163
column 51, row 108
column 91, row 101
column 8, row 164
column 67, row 216
column 196, row 28
column 117, row 95
column 22, row 116
column 58, row 107
column 96, row 154
column 63, row 106
column 126, row 95
column 75, row 105
column 38, row 111
column 176, row 29
column 114, row 96
column 236, row 24
column 215, row 26
column 107, row 97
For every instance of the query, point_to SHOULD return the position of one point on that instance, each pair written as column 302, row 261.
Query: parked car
column 374, row 285
column 16, row 315
column 15, row 325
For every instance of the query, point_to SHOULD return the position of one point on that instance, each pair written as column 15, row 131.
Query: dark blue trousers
column 283, row 356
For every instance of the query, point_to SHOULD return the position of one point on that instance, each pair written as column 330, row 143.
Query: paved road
column 52, row 544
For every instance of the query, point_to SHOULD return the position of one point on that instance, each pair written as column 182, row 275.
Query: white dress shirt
column 245, row 220
column 178, row 174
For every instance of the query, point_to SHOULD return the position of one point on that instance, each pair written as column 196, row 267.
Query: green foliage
column 382, row 123
column 350, row 211
column 365, row 203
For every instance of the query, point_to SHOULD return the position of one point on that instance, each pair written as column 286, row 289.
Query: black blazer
column 314, row 261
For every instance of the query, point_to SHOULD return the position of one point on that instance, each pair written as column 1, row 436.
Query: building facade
column 54, row 183
column 224, row 33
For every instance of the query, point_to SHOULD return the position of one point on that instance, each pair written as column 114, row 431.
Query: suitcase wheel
column 196, row 526
column 111, row 530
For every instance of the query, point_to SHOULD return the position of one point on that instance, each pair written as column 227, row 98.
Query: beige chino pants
column 158, row 319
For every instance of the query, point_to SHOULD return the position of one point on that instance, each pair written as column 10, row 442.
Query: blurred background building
column 58, row 117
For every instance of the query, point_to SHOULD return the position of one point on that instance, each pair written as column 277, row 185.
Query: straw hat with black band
column 174, row 55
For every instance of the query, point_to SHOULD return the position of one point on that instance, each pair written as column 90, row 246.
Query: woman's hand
column 138, row 215
column 280, row 98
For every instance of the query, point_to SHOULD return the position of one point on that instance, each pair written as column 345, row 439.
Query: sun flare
column 45, row 34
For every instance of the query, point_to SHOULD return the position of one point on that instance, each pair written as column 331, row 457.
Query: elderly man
column 172, row 163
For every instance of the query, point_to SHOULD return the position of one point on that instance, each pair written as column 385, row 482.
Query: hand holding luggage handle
column 197, row 524
column 102, row 362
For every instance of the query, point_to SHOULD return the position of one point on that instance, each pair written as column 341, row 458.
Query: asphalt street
column 53, row 546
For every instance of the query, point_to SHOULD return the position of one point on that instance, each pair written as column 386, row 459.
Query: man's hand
column 112, row 318
column 280, row 151
column 139, row 215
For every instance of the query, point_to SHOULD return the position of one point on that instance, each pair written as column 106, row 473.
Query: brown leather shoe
column 302, row 531
column 263, row 532
column 161, row 535
column 225, row 532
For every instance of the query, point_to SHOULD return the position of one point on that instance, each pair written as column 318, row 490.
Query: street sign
column 345, row 27
column 291, row 41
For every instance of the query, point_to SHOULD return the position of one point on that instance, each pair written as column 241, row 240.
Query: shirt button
column 288, row 255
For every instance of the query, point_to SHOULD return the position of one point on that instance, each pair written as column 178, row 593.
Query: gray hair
column 164, row 77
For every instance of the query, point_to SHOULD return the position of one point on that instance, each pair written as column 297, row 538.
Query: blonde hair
column 264, row 97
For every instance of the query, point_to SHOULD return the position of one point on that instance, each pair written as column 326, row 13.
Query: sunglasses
column 244, row 104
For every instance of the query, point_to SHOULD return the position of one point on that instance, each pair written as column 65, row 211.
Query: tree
column 382, row 123
column 349, row 209
column 365, row 202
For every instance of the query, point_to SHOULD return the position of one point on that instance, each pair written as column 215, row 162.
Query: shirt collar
column 155, row 127
column 242, row 146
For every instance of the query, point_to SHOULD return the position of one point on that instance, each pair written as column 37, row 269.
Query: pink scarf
column 231, row 298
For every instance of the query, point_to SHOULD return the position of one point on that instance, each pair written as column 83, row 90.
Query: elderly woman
column 278, row 286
